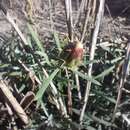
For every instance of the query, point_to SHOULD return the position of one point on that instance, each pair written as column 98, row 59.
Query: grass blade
column 37, row 41
column 57, row 41
column 88, row 78
column 45, row 84
column 106, row 72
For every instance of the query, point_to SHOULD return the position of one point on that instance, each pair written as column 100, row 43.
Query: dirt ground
column 116, row 18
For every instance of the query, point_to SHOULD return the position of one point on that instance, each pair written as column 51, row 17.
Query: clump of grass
column 29, row 66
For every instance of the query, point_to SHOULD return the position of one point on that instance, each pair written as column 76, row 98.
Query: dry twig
column 78, row 86
column 69, row 19
column 81, row 8
column 13, row 102
column 86, row 21
column 92, row 52
column 122, row 80
column 69, row 94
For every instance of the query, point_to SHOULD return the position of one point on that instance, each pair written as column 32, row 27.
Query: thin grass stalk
column 51, row 16
column 86, row 21
column 11, row 100
column 122, row 80
column 81, row 8
column 69, row 94
column 78, row 86
column 91, row 58
column 11, row 114
column 69, row 18
column 94, row 8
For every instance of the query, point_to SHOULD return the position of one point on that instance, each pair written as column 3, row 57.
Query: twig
column 69, row 19
column 122, row 80
column 78, row 86
column 92, row 52
column 81, row 8
column 125, row 90
column 13, row 123
column 86, row 21
column 11, row 100
column 27, row 100
column 69, row 94
column 94, row 7
column 31, row 74
column 11, row 21
column 51, row 18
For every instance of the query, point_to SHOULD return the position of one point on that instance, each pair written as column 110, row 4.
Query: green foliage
column 45, row 84
column 38, row 43
column 102, row 96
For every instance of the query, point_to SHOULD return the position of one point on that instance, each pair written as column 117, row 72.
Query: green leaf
column 100, row 121
column 22, row 88
column 89, row 62
column 116, row 60
column 45, row 84
column 88, row 78
column 15, row 73
column 106, row 72
column 4, row 66
column 105, row 96
column 57, row 41
column 37, row 41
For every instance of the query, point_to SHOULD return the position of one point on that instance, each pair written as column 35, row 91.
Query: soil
column 116, row 18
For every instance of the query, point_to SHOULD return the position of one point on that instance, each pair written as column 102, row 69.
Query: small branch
column 11, row 21
column 125, row 90
column 81, row 8
column 94, row 7
column 122, row 80
column 78, row 86
column 27, row 100
column 13, row 123
column 31, row 74
column 92, row 52
column 69, row 19
column 51, row 17
column 86, row 21
column 11, row 100
column 69, row 94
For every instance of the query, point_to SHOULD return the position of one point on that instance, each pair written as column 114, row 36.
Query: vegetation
column 38, row 91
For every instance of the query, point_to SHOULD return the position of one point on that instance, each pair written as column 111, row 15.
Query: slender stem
column 81, row 8
column 122, row 80
column 69, row 18
column 92, row 52
column 69, row 94
column 78, row 86
column 86, row 21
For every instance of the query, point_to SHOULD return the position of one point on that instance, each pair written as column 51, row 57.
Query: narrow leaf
column 88, row 78
column 37, row 41
column 104, row 73
column 45, row 84
column 57, row 41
